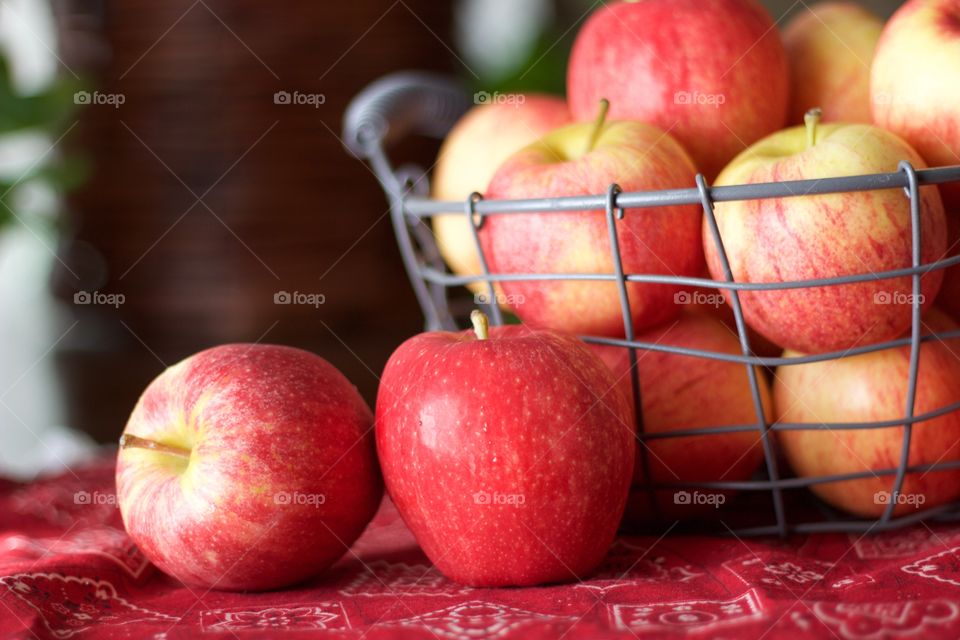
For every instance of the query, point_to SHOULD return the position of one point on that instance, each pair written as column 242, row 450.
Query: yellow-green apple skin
column 915, row 85
column 683, row 392
column 713, row 73
column 830, row 47
column 822, row 236
column 472, row 152
column 873, row 387
column 660, row 240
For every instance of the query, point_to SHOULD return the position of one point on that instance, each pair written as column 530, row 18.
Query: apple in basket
column 681, row 392
column 508, row 452
column 830, row 46
column 866, row 388
column 586, row 159
column 248, row 467
column 915, row 86
column 712, row 73
column 822, row 236
column 479, row 143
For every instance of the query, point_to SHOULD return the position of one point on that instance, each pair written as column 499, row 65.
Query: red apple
column 248, row 467
column 509, row 455
column 586, row 159
column 712, row 73
column 830, row 46
column 872, row 387
column 822, row 236
column 684, row 392
column 477, row 145
column 916, row 94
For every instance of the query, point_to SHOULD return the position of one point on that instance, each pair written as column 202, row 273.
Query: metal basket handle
column 401, row 104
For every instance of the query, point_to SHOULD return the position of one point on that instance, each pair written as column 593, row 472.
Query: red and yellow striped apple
column 683, row 392
column 712, row 73
column 873, row 387
column 915, row 86
column 477, row 145
column 830, row 47
column 588, row 158
column 803, row 237
column 248, row 467
column 508, row 454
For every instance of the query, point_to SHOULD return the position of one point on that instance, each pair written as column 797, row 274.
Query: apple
column 830, row 47
column 247, row 467
column 712, row 73
column 507, row 452
column 873, row 387
column 476, row 146
column 914, row 83
column 821, row 236
column 916, row 94
column 685, row 392
column 586, row 159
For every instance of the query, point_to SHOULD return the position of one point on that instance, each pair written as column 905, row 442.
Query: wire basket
column 409, row 103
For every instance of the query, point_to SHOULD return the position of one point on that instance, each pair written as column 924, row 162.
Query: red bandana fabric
column 68, row 570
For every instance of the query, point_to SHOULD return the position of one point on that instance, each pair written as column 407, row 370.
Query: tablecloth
column 68, row 570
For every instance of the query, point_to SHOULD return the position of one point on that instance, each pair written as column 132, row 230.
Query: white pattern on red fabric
column 795, row 576
column 693, row 616
column 293, row 617
column 878, row 620
column 942, row 567
column 479, row 619
column 69, row 605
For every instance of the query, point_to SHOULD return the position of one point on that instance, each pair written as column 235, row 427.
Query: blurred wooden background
column 283, row 206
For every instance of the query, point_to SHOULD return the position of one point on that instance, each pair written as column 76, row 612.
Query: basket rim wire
column 410, row 206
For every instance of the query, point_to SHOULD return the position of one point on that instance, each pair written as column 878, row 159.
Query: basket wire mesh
column 411, row 102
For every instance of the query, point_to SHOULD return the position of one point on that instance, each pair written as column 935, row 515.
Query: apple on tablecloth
column 248, row 467
column 508, row 453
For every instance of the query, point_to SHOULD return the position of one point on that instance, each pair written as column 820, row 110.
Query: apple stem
column 598, row 124
column 481, row 325
column 129, row 441
column 812, row 118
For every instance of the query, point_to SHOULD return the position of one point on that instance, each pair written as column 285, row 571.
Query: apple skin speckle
column 514, row 468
